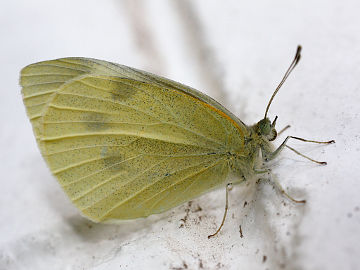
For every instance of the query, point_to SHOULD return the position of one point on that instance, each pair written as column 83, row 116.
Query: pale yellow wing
column 120, row 147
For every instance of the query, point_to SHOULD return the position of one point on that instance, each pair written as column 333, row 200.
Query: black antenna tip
column 297, row 55
column 274, row 122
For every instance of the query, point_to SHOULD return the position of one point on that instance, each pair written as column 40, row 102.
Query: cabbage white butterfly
column 124, row 143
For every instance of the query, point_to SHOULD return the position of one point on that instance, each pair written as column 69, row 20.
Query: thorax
column 244, row 160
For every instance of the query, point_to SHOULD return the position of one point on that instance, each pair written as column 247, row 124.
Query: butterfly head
column 267, row 129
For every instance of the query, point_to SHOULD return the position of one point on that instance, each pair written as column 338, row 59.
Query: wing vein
column 59, row 66
column 43, row 83
column 181, row 180
column 72, row 166
column 123, row 184
column 141, row 190
column 36, row 105
column 80, row 110
column 39, row 94
column 48, row 74
column 164, row 122
column 102, row 183
column 67, row 61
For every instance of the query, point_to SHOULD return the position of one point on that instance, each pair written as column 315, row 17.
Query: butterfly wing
column 124, row 143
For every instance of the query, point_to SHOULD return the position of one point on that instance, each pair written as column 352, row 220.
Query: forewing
column 123, row 148
column 128, row 72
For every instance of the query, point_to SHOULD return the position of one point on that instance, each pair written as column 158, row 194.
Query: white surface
column 235, row 51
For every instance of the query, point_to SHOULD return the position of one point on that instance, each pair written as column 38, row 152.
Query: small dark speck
column 212, row 153
column 349, row 215
column 245, row 203
column 198, row 209
column 219, row 266
column 184, row 266
column 357, row 209
column 167, row 174
column 264, row 258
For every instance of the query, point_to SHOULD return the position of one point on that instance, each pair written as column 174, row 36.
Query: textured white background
column 236, row 51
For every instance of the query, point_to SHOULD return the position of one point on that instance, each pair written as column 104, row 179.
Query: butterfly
column 124, row 143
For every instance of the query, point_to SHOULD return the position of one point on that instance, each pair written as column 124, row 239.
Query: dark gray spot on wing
column 95, row 121
column 113, row 161
column 122, row 91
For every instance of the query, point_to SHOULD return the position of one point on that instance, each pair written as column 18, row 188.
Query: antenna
column 287, row 73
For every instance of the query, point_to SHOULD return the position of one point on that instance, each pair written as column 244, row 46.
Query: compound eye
column 272, row 136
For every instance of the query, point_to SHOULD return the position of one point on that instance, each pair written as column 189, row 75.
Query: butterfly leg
column 268, row 155
column 228, row 187
column 282, row 190
column 277, row 185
